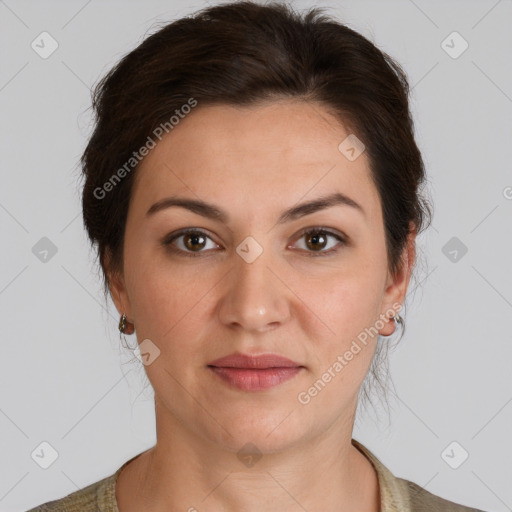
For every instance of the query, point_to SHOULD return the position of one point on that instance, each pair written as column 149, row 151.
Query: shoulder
column 401, row 495
column 420, row 500
column 99, row 496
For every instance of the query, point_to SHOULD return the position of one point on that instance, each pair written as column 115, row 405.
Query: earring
column 124, row 326
column 399, row 321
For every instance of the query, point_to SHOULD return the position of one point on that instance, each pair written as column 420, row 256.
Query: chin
column 269, row 434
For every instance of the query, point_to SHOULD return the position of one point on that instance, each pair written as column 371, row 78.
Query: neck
column 184, row 471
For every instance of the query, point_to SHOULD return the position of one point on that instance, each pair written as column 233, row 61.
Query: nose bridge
column 254, row 298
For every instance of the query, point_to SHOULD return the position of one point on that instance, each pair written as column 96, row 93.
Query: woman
column 253, row 188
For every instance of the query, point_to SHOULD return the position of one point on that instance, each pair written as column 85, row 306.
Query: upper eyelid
column 181, row 232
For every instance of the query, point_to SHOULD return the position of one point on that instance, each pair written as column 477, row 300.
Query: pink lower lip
column 250, row 379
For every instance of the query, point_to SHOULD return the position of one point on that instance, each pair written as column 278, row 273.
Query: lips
column 254, row 373
column 259, row 362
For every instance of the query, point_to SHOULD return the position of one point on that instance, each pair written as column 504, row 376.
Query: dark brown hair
column 240, row 54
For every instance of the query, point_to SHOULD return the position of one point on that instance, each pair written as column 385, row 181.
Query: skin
column 254, row 162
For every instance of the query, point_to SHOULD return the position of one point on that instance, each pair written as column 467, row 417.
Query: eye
column 316, row 239
column 194, row 241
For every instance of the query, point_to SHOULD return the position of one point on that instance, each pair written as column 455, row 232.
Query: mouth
column 252, row 379
column 254, row 373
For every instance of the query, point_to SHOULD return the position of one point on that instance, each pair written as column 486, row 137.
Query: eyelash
column 167, row 242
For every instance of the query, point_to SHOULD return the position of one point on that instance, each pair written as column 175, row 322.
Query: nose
column 255, row 297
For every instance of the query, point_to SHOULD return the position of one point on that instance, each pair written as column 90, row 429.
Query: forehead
column 273, row 153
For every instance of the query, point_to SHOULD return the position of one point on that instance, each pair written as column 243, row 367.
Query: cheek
column 158, row 295
column 350, row 301
column 350, row 306
column 171, row 304
column 350, row 309
column 162, row 304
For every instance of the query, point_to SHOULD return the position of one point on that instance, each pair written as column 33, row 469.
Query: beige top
column 396, row 494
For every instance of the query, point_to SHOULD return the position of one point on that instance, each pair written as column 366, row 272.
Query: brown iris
column 191, row 241
column 315, row 238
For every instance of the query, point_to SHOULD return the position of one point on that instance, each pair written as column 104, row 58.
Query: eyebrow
column 213, row 212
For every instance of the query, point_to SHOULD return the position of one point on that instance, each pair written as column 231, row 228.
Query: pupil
column 315, row 239
column 193, row 240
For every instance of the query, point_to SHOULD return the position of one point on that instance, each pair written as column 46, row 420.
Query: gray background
column 64, row 379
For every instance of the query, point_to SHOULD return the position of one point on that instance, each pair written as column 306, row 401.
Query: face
column 252, row 280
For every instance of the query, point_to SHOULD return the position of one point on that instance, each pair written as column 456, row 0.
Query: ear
column 396, row 285
column 117, row 287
